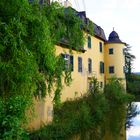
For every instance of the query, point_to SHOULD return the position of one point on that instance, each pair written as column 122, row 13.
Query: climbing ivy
column 28, row 64
column 65, row 26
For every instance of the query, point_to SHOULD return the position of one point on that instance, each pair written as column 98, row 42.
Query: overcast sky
column 123, row 15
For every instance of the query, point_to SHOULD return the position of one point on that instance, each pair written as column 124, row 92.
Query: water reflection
column 134, row 132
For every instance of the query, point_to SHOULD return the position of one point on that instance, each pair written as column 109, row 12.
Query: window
column 100, row 45
column 111, row 69
column 68, row 59
column 79, row 64
column 89, row 65
column 111, row 51
column 101, row 67
column 89, row 42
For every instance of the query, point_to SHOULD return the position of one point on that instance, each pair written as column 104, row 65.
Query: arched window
column 89, row 42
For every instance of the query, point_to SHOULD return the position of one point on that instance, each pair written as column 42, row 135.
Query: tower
column 114, row 57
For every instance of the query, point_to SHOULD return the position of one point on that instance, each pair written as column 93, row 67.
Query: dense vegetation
column 28, row 33
column 89, row 116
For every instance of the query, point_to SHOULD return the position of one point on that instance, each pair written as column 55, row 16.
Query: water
column 134, row 132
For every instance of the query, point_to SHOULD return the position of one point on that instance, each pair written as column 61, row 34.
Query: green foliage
column 89, row 27
column 95, row 86
column 27, row 39
column 12, row 116
column 129, row 58
column 65, row 26
column 28, row 64
column 74, row 34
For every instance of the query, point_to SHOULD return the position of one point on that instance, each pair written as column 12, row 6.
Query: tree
column 129, row 58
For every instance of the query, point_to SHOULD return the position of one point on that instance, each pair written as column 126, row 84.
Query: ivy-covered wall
column 28, row 34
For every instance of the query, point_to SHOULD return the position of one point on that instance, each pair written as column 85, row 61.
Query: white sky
column 123, row 15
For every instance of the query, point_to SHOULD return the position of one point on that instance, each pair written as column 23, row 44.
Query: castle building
column 101, row 58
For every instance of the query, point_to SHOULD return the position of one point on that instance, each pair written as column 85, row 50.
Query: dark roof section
column 114, row 38
column 98, row 31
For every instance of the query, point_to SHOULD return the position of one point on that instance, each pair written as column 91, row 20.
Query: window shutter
column 89, row 42
column 71, row 63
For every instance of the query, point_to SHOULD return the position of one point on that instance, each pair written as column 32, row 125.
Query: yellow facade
column 80, row 82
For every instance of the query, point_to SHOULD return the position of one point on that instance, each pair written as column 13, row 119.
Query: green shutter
column 71, row 63
column 89, row 42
